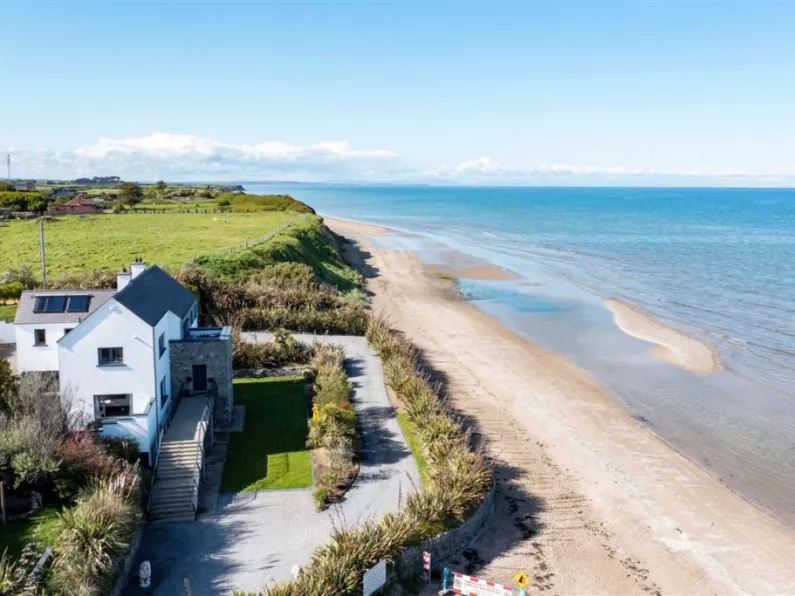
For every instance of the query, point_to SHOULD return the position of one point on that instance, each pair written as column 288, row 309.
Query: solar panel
column 78, row 303
column 50, row 304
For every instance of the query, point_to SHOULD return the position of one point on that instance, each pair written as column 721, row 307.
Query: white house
column 112, row 351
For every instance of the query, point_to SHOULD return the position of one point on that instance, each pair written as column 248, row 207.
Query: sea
column 717, row 263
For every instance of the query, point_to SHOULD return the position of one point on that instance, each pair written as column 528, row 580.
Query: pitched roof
column 153, row 293
column 26, row 314
column 80, row 200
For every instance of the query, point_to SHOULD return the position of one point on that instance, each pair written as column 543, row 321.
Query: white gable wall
column 112, row 325
column 33, row 358
column 171, row 325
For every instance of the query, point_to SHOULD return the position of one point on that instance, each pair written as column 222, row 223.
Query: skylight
column 50, row 304
column 78, row 303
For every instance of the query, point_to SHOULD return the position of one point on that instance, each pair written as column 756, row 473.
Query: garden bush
column 333, row 424
column 95, row 532
column 282, row 351
column 11, row 291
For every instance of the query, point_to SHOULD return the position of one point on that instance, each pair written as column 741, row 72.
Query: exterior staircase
column 178, row 471
column 175, row 491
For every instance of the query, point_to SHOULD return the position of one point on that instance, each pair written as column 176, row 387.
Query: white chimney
column 137, row 267
column 122, row 279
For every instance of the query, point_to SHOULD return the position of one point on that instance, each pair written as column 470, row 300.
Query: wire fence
column 248, row 243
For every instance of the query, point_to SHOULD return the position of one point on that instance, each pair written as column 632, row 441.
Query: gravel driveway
column 255, row 538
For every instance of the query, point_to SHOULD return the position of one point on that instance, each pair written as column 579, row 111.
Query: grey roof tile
column 153, row 293
column 27, row 303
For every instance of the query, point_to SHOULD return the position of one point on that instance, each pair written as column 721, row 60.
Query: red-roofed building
column 80, row 204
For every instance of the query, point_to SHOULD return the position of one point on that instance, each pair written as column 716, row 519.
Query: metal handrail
column 152, row 480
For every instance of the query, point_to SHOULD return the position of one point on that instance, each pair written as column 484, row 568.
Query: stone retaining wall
column 447, row 544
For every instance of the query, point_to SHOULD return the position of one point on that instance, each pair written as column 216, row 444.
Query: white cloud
column 190, row 157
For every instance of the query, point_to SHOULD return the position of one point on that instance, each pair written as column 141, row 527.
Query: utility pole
column 43, row 254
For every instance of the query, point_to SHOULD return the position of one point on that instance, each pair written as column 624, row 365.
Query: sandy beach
column 672, row 345
column 589, row 500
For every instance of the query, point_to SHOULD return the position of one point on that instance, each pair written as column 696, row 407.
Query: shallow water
column 718, row 263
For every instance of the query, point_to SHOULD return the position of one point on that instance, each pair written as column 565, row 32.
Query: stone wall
column 446, row 545
column 216, row 354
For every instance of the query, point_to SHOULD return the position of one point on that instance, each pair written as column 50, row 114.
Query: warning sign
column 521, row 579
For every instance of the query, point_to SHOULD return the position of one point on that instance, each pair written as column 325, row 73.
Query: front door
column 199, row 377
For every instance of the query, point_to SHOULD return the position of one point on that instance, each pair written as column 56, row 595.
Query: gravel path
column 255, row 538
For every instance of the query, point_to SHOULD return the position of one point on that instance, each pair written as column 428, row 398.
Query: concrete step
column 170, row 503
column 173, row 514
column 178, row 465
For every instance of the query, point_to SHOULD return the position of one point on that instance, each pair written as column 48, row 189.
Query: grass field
column 271, row 451
column 41, row 527
column 414, row 443
column 78, row 243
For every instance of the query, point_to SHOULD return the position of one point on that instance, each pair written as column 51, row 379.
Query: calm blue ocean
column 718, row 263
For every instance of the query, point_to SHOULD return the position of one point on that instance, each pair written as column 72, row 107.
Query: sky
column 524, row 92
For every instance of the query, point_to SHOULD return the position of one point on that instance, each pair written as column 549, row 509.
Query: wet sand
column 482, row 272
column 589, row 501
column 672, row 345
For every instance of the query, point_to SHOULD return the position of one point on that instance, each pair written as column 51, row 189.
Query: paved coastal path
column 255, row 538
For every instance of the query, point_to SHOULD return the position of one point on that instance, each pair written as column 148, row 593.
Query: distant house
column 64, row 192
column 80, row 204
column 25, row 185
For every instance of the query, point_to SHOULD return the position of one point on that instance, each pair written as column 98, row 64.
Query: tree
column 161, row 185
column 130, row 194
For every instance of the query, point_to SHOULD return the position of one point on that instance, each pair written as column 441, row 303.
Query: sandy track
column 589, row 501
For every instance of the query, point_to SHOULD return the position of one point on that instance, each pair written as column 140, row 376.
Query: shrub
column 22, row 274
column 282, row 351
column 223, row 202
column 15, row 574
column 11, row 291
column 95, row 532
column 322, row 495
column 86, row 280
column 82, row 460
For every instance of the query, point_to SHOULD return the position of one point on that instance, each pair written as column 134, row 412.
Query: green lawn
column 271, row 451
column 41, row 527
column 414, row 443
column 76, row 243
column 8, row 312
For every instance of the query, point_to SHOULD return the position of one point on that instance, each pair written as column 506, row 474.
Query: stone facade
column 447, row 544
column 215, row 352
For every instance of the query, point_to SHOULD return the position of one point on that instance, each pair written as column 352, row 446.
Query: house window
column 50, row 304
column 161, row 343
column 67, row 330
column 185, row 326
column 111, row 356
column 112, row 405
column 39, row 337
column 78, row 303
column 163, row 392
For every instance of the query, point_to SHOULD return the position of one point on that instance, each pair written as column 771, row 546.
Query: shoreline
column 671, row 345
column 639, row 503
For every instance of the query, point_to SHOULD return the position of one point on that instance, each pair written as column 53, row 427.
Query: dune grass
column 271, row 451
column 78, row 243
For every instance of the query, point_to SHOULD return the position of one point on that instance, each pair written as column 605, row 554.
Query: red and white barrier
column 472, row 586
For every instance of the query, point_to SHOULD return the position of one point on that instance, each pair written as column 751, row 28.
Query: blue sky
column 636, row 92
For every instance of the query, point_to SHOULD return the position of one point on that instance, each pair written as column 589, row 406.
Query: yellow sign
column 521, row 579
